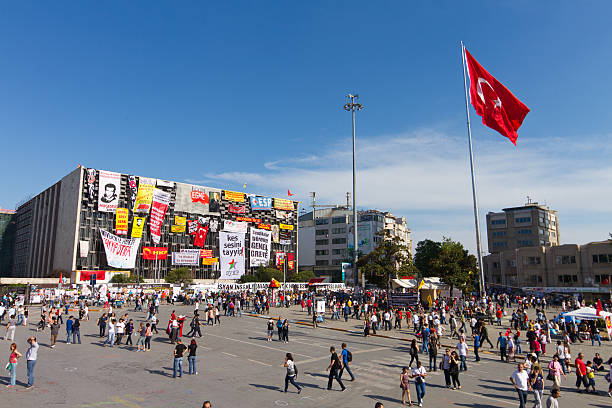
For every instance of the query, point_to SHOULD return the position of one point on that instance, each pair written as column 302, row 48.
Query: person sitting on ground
column 598, row 363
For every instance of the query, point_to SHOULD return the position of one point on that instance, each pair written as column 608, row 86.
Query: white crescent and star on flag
column 497, row 102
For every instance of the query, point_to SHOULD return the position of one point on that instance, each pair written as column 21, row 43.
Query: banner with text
column 233, row 196
column 109, row 188
column 121, row 221
column 154, row 253
column 283, row 204
column 261, row 203
column 132, row 190
column 144, row 195
column 137, row 226
column 231, row 249
column 235, row 226
column 159, row 206
column 259, row 247
column 197, row 200
column 120, row 252
column 187, row 257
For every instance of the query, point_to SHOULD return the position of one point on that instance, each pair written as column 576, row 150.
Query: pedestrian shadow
column 473, row 405
column 383, row 398
column 308, row 385
column 267, row 387
column 494, row 381
column 318, row 375
column 511, row 398
column 159, row 372
column 492, row 387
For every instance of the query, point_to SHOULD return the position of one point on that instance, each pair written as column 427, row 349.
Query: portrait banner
column 213, row 225
column 121, row 221
column 259, row 247
column 91, row 183
column 235, row 226
column 261, row 203
column 132, row 190
column 137, row 226
column 275, row 233
column 290, row 261
column 159, row 206
column 144, row 195
column 283, row 204
column 109, row 188
column 120, row 252
column 187, row 257
column 231, row 250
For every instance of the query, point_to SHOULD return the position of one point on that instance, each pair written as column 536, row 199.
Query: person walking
column 536, row 380
column 140, row 343
column 110, row 340
column 555, row 370
column 419, row 374
column 347, row 358
column 148, row 335
column 462, row 349
column 552, row 400
column 179, row 349
column 454, row 369
column 405, row 386
column 11, row 325
column 433, row 351
column 129, row 330
column 76, row 331
column 31, row 357
column 285, row 330
column 520, row 381
column 54, row 332
column 445, row 365
column 291, row 373
column 102, row 324
column 581, row 377
column 270, row 329
column 279, row 328
column 69, row 323
column 191, row 357
column 333, row 368
column 414, row 352
column 12, row 365
column 502, row 343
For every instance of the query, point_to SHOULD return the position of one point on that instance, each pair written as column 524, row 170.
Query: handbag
column 550, row 376
column 9, row 367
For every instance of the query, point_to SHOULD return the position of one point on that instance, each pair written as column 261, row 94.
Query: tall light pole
column 352, row 105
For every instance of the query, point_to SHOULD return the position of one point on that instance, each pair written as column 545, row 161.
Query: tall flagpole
column 481, row 283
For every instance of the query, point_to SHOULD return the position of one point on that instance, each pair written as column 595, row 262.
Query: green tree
column 427, row 251
column 390, row 258
column 123, row 278
column 262, row 274
column 455, row 266
column 179, row 275
column 303, row 276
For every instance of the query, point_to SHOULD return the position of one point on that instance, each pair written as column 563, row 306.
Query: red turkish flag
column 499, row 108
column 200, row 237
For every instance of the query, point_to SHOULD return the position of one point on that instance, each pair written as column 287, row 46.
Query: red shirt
column 580, row 366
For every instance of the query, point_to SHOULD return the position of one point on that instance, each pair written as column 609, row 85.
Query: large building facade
column 64, row 227
column 327, row 241
column 7, row 240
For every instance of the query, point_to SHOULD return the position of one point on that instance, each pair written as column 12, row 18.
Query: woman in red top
column 13, row 364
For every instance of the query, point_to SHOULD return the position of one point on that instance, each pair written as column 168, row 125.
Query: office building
column 7, row 240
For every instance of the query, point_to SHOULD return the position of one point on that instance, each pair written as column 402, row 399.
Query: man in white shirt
column 462, row 349
column 520, row 380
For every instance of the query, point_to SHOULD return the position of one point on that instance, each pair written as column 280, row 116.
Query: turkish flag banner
column 200, row 237
column 499, row 108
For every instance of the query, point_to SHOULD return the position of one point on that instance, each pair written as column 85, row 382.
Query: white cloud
column 426, row 172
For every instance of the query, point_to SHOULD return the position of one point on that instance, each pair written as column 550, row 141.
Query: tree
column 262, row 274
column 124, row 278
column 426, row 252
column 390, row 258
column 455, row 266
column 179, row 275
column 303, row 276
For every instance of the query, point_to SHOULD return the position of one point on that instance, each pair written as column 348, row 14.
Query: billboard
column 196, row 199
column 261, row 203
column 233, row 196
column 235, row 226
column 231, row 249
column 259, row 247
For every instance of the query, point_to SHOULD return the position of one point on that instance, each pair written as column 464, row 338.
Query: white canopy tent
column 587, row 313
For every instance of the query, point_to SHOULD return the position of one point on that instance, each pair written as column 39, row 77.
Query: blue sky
column 223, row 94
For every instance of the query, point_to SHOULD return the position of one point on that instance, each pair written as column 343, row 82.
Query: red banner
column 161, row 199
column 237, row 209
column 85, row 276
column 264, row 226
column 150, row 253
column 200, row 237
column 206, row 253
column 290, row 262
column 249, row 219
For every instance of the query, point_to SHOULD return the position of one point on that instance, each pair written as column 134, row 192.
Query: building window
column 603, row 279
column 510, row 263
column 339, row 230
column 319, row 252
column 322, row 232
column 322, row 242
column 522, row 220
column 322, row 221
column 339, row 241
column 604, row 258
column 565, row 259
column 524, row 242
column 336, row 261
column 495, row 265
column 322, row 262
column 524, row 231
column 499, row 244
column 499, row 233
column 532, row 260
column 498, row 222
column 339, row 251
column 339, row 220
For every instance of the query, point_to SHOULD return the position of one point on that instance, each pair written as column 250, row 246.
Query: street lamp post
column 352, row 105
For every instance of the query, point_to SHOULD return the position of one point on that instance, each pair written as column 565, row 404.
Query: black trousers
column 333, row 373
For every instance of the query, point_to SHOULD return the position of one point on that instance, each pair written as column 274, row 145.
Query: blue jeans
column 420, row 390
column 76, row 335
column 462, row 364
column 178, row 366
column 522, row 398
column 425, row 343
column 192, row 365
column 20, row 320
column 110, row 339
column 68, row 335
column 13, row 373
column 593, row 338
column 31, row 364
column 348, row 370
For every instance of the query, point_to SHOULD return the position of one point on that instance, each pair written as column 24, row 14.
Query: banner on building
column 137, row 226
column 231, row 249
column 249, row 219
column 235, row 226
column 275, row 233
column 209, row 261
column 109, row 188
column 192, row 227
column 132, row 190
column 177, row 228
column 285, row 237
column 286, row 227
column 290, row 261
column 284, row 216
column 197, row 200
column 280, row 258
column 165, row 183
column 261, row 203
column 159, row 206
column 180, row 220
column 200, row 237
column 85, row 276
column 259, row 247
column 91, row 183
column 206, row 253
column 121, row 221
column 186, row 257
column 283, row 204
column 144, row 195
column 237, row 209
column 203, row 220
column 608, row 326
column 83, row 249
column 213, row 225
column 154, row 253
column 120, row 252
column 233, row 196
column 264, row 226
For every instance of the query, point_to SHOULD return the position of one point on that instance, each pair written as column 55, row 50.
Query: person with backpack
column 291, row 372
column 347, row 357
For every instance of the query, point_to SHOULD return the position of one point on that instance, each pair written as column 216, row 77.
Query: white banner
column 109, row 188
column 235, row 226
column 190, row 257
column 231, row 248
column 259, row 247
column 83, row 248
column 120, row 252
